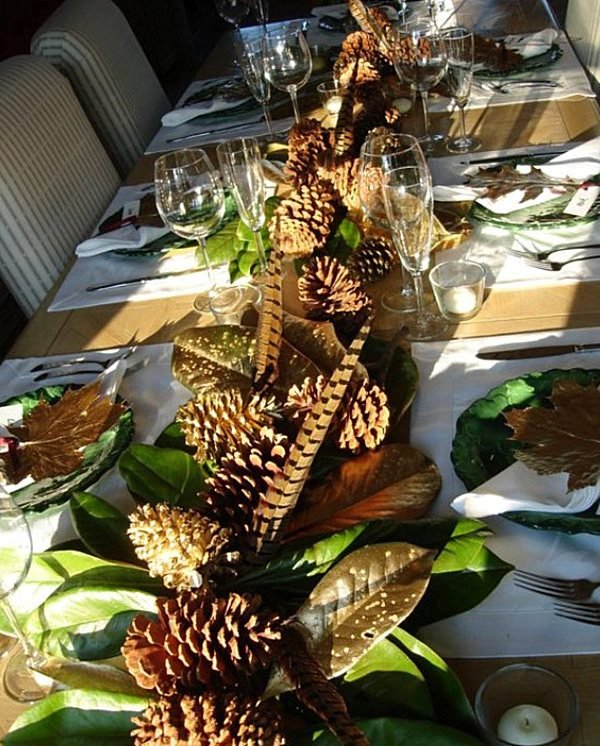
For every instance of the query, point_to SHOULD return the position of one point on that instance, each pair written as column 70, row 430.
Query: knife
column 523, row 353
column 516, row 157
column 213, row 132
column 142, row 280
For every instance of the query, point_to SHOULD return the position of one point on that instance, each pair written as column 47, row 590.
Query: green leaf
column 581, row 523
column 396, row 732
column 221, row 247
column 101, row 527
column 77, row 718
column 346, row 238
column 172, row 437
column 162, row 475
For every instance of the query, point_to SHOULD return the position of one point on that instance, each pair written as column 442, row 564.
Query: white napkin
column 185, row 113
column 520, row 488
column 530, row 45
column 127, row 237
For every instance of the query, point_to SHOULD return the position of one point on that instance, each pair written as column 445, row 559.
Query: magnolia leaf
column 86, row 675
column 563, row 439
column 504, row 179
column 52, row 437
column 221, row 357
column 361, row 599
column 101, row 527
column 396, row 482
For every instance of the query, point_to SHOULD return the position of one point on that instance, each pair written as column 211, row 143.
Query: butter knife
column 142, row 280
column 523, row 353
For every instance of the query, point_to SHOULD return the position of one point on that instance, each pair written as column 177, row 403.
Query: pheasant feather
column 270, row 324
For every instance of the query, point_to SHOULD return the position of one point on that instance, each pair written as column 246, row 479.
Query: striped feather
column 270, row 324
column 343, row 134
column 360, row 14
column 275, row 508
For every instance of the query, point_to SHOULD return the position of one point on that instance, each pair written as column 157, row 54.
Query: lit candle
column 460, row 300
column 334, row 104
column 527, row 725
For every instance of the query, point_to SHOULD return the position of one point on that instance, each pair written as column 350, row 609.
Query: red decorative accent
column 12, row 445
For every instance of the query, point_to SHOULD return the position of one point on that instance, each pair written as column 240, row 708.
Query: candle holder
column 331, row 94
column 458, row 287
column 526, row 705
column 229, row 303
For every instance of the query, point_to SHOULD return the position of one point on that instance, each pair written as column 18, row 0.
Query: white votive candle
column 334, row 104
column 460, row 300
column 527, row 725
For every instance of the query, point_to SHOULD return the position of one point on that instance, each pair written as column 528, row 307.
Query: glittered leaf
column 501, row 180
column 52, row 436
column 396, row 482
column 565, row 438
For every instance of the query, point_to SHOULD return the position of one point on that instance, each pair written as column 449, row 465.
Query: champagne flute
column 189, row 197
column 420, row 60
column 408, row 197
column 287, row 62
column 377, row 153
column 251, row 63
column 241, row 166
column 460, row 54
column 15, row 553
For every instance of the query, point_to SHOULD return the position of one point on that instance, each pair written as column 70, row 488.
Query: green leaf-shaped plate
column 98, row 457
column 550, row 56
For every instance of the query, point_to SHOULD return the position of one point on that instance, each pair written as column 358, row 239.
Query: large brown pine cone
column 201, row 640
column 364, row 47
column 181, row 546
column 372, row 260
column 329, row 293
column 303, row 220
column 343, row 175
column 307, row 142
column 211, row 719
column 243, row 479
column 217, row 421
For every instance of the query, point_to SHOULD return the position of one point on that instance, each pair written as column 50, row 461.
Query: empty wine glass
column 287, row 62
column 408, row 197
column 15, row 554
column 261, row 11
column 459, row 75
column 189, row 197
column 232, row 11
column 420, row 60
column 251, row 64
column 241, row 166
column 378, row 152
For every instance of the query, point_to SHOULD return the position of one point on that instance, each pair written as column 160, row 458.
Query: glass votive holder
column 229, row 302
column 331, row 94
column 526, row 705
column 458, row 287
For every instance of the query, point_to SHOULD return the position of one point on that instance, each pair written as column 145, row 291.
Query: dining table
column 523, row 307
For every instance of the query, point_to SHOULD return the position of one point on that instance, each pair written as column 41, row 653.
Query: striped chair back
column 92, row 44
column 582, row 25
column 55, row 177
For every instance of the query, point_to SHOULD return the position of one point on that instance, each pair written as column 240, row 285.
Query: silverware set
column 573, row 595
column 509, row 86
column 540, row 259
column 81, row 365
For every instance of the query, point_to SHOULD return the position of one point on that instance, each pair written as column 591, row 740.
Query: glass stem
column 407, row 284
column 418, row 280
column 211, row 275
column 34, row 658
column 260, row 250
column 294, row 96
column 463, row 124
column 267, row 116
column 425, row 113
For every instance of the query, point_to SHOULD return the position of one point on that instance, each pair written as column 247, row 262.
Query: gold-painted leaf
column 396, row 482
column 89, row 675
column 221, row 357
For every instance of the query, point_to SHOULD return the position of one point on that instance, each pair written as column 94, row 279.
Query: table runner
column 511, row 621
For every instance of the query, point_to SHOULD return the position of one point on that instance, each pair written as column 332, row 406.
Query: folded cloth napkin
column 520, row 488
column 185, row 113
column 127, row 237
column 530, row 45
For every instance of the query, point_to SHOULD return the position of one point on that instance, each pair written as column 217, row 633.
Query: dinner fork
column 508, row 86
column 556, row 266
column 525, row 253
column 55, row 365
column 578, row 611
column 575, row 590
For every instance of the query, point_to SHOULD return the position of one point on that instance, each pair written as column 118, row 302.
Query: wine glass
column 189, row 197
column 232, row 11
column 15, row 551
column 378, row 152
column 408, row 197
column 419, row 57
column 251, row 63
column 287, row 62
column 459, row 75
column 241, row 166
column 261, row 11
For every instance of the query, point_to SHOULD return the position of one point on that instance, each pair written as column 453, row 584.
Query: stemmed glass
column 15, row 554
column 420, row 60
column 251, row 63
column 460, row 52
column 232, row 11
column 377, row 153
column 261, row 11
column 287, row 62
column 189, row 197
column 408, row 197
column 241, row 167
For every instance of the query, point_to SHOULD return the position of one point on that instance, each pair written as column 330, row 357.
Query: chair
column 92, row 44
column 55, row 177
column 582, row 25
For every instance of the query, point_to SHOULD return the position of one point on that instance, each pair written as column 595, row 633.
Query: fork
column 509, row 85
column 556, row 266
column 575, row 590
column 578, row 611
column 541, row 255
column 59, row 373
column 80, row 360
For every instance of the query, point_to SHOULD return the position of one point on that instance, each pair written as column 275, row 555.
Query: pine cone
column 243, row 479
column 329, row 293
column 307, row 142
column 302, row 222
column 211, row 719
column 217, row 421
column 372, row 260
column 201, row 640
column 301, row 399
column 180, row 546
column 364, row 47
column 342, row 173
column 362, row 422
